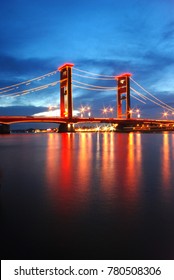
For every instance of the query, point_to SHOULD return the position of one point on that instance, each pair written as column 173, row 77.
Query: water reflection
column 108, row 172
column 82, row 165
column 134, row 162
column 52, row 162
column 165, row 160
column 167, row 157
column 77, row 165
column 172, row 145
column 59, row 171
column 84, row 192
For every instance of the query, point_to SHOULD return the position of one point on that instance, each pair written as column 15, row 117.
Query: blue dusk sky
column 106, row 37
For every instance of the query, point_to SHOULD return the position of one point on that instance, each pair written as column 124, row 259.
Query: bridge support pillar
column 5, row 129
column 66, row 127
column 66, row 101
column 123, row 94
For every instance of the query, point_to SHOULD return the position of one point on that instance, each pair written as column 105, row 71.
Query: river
column 87, row 196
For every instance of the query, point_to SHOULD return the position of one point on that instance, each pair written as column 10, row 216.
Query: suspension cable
column 152, row 95
column 24, row 92
column 31, row 80
column 95, row 89
column 101, row 87
column 137, row 98
column 89, row 77
column 138, row 93
column 93, row 73
column 156, row 102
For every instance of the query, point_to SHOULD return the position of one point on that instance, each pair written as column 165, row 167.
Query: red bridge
column 67, row 120
column 67, row 124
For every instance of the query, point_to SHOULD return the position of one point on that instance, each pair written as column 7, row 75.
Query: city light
column 130, row 112
column 107, row 110
column 85, row 109
column 135, row 112
column 165, row 114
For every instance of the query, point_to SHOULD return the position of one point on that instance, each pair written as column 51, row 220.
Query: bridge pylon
column 123, row 94
column 66, row 102
column 5, row 129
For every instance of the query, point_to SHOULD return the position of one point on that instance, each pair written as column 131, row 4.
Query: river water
column 87, row 196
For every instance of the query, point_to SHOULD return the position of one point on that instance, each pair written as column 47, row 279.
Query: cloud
column 109, row 39
column 31, row 66
column 168, row 33
column 54, row 113
column 20, row 110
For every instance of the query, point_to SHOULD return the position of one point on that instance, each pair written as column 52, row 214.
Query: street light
column 104, row 111
column 165, row 114
column 138, row 113
column 88, row 110
column 131, row 112
column 84, row 109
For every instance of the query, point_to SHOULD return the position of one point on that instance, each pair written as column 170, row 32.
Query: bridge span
column 67, row 121
column 67, row 124
column 74, row 120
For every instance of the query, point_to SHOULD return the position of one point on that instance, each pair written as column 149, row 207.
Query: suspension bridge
column 68, row 81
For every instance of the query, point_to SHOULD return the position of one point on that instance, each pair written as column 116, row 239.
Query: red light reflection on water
column 134, row 162
column 121, row 165
column 59, row 171
column 68, row 170
column 82, row 166
column 65, row 164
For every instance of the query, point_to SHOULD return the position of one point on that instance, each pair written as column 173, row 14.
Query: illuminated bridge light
column 123, row 75
column 67, row 64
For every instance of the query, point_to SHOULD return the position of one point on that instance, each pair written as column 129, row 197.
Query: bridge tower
column 66, row 102
column 123, row 95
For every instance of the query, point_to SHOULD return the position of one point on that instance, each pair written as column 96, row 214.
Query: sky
column 105, row 37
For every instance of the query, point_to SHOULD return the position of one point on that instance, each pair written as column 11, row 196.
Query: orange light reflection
column 107, row 169
column 166, row 161
column 60, row 176
column 134, row 164
column 83, row 161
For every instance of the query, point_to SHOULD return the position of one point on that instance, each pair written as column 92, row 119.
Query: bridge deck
column 32, row 119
